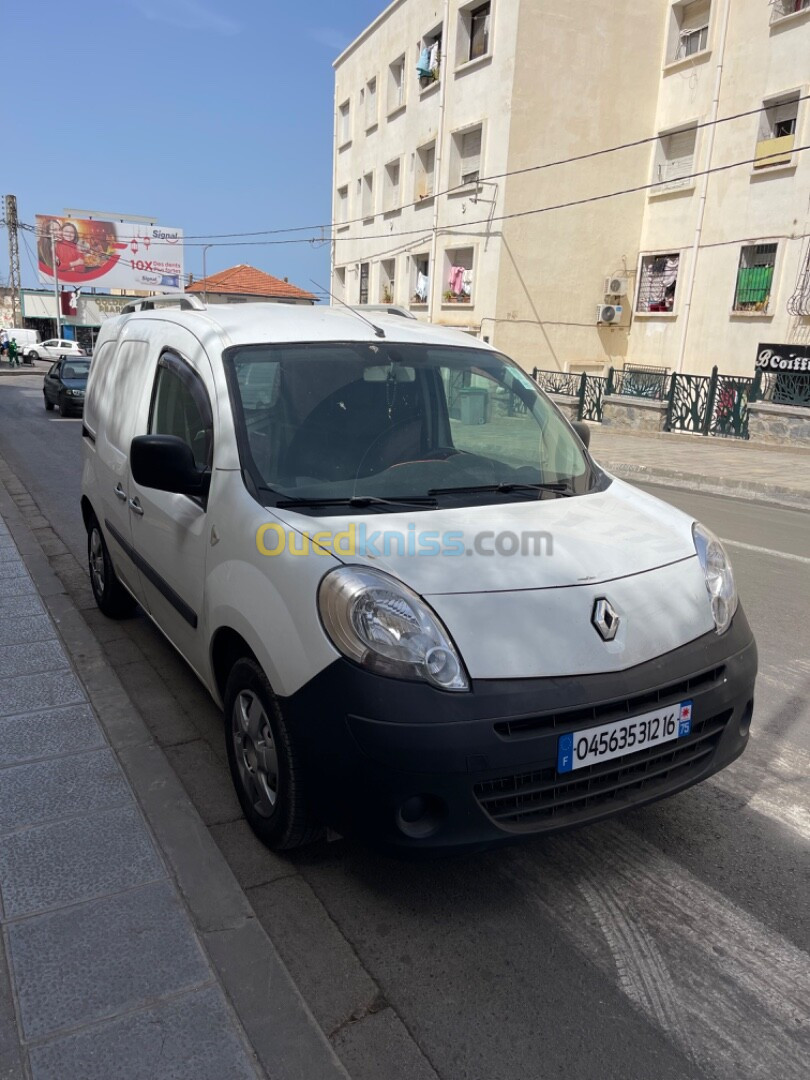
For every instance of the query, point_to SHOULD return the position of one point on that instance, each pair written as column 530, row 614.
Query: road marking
column 774, row 785
column 767, row 551
column 730, row 993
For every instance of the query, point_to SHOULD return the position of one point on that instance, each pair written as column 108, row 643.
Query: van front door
column 170, row 531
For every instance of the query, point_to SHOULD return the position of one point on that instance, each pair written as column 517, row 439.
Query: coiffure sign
column 110, row 254
column 784, row 358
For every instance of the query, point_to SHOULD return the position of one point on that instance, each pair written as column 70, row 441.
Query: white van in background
column 26, row 339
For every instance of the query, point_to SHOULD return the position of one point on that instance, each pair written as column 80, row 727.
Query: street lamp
column 205, row 291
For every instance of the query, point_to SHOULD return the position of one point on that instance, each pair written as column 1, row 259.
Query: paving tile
column 13, row 569
column 48, row 734
column 92, row 962
column 157, row 705
column 43, row 691
column 32, row 658
column 10, row 1062
column 192, row 1036
column 21, row 585
column 51, row 790
column 206, row 780
column 18, row 631
column 15, row 607
column 76, row 860
column 9, row 555
column 380, row 1045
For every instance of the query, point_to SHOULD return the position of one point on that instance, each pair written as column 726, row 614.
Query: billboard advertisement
column 110, row 254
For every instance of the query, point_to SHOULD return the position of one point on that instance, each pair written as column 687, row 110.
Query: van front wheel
column 264, row 763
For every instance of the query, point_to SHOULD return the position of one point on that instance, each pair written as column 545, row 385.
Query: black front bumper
column 403, row 764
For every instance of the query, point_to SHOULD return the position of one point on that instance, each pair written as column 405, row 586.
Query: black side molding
column 87, row 433
column 162, row 586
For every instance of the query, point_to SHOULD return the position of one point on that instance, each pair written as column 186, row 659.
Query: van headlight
column 384, row 626
column 719, row 577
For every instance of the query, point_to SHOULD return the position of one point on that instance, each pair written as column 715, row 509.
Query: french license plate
column 593, row 745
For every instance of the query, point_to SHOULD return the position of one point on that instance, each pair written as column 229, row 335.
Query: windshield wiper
column 358, row 502
column 505, row 488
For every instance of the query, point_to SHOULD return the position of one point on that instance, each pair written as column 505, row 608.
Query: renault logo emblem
column 605, row 619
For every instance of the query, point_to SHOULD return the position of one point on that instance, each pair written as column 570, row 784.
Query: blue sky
column 212, row 117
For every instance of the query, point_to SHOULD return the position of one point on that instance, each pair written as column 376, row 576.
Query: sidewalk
column 127, row 947
column 768, row 474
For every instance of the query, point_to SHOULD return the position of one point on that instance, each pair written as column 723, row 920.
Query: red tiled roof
column 245, row 280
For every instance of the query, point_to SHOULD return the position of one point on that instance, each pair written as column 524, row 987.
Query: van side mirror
column 583, row 431
column 166, row 463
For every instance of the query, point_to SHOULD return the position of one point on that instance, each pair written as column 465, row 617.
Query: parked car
column 429, row 624
column 65, row 383
column 52, row 349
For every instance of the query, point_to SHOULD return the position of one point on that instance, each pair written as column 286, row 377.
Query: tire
column 33, row 355
column 110, row 595
column 265, row 766
column 48, row 405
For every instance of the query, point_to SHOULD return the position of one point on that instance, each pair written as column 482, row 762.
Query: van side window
column 181, row 407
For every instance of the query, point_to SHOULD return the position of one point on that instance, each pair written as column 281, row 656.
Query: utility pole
column 13, row 257
column 56, row 286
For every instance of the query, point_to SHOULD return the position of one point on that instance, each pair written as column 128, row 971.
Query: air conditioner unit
column 615, row 286
column 608, row 313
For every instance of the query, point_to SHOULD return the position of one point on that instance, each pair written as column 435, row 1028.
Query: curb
column 282, row 1031
column 766, row 494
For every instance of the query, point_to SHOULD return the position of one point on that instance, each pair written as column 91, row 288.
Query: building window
column 459, row 276
column 344, row 124
column 429, row 51
column 396, row 85
column 368, row 195
column 391, row 194
column 472, row 40
column 689, row 33
column 363, row 298
column 339, row 287
column 371, row 104
column 421, row 279
column 425, row 172
column 777, row 131
column 467, row 155
column 755, row 277
column 388, row 281
column 783, row 8
column 658, row 282
column 342, row 209
column 675, row 159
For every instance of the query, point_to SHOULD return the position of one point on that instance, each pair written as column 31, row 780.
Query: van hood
column 531, row 614
column 502, row 547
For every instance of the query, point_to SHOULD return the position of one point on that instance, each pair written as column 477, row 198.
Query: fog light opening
column 745, row 719
column 420, row 816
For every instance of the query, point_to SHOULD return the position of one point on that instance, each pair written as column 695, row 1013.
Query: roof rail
column 149, row 303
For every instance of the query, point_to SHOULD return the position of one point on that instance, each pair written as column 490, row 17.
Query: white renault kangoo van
column 431, row 619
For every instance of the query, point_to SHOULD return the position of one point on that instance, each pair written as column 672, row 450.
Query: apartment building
column 583, row 185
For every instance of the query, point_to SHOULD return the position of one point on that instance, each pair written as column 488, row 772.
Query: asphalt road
column 672, row 943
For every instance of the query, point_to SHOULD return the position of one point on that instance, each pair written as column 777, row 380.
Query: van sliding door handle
column 135, row 507
column 119, row 491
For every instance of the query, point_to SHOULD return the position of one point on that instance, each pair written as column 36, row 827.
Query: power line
column 634, row 144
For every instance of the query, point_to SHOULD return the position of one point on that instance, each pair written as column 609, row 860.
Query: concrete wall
column 586, row 78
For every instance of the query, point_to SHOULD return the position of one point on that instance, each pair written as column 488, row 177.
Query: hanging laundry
column 433, row 56
column 423, row 63
column 422, row 286
column 466, row 282
column 456, row 280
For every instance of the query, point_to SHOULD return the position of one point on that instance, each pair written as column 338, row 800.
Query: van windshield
column 341, row 421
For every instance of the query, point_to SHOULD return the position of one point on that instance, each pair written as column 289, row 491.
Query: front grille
column 537, row 799
column 608, row 711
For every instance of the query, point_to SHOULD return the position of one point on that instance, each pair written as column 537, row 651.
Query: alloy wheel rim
column 97, row 562
column 256, row 753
